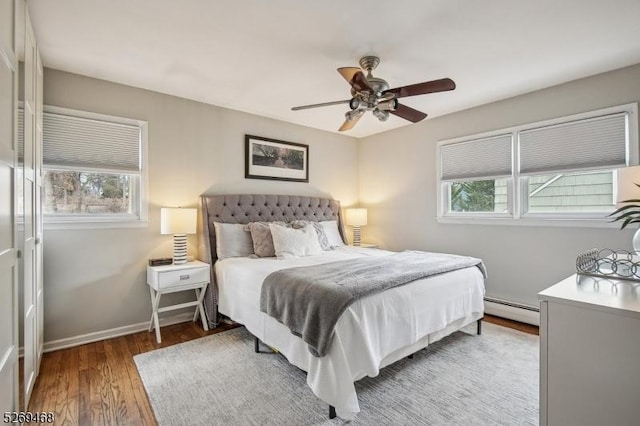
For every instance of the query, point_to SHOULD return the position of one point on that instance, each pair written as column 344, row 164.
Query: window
column 78, row 193
column 93, row 168
column 555, row 170
column 571, row 193
column 487, row 196
column 475, row 176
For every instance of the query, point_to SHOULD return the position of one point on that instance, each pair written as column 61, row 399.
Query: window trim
column 517, row 193
column 141, row 219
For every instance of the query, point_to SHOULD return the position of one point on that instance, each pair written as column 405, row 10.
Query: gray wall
column 95, row 279
column 398, row 184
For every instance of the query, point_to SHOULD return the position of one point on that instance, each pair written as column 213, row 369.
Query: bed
column 373, row 332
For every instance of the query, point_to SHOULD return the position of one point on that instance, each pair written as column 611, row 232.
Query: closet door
column 9, row 394
column 30, row 258
column 38, row 213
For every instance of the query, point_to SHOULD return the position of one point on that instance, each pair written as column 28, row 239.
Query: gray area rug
column 464, row 379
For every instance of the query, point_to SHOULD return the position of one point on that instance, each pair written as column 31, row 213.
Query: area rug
column 464, row 379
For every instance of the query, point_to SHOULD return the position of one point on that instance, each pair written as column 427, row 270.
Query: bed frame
column 245, row 208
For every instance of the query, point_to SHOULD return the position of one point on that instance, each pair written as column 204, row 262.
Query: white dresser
column 590, row 352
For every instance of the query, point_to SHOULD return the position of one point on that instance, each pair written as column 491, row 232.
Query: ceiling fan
column 373, row 94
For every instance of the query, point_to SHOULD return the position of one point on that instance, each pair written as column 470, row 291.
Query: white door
column 38, row 213
column 30, row 258
column 8, row 254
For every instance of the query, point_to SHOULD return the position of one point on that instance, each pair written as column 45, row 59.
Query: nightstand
column 173, row 278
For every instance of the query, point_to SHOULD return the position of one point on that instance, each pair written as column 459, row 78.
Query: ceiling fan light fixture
column 390, row 105
column 353, row 115
column 381, row 115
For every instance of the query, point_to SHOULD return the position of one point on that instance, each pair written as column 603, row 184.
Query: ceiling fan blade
column 356, row 78
column 434, row 86
column 298, row 108
column 409, row 113
column 348, row 124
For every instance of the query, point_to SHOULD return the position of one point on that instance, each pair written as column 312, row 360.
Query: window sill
column 82, row 223
column 552, row 222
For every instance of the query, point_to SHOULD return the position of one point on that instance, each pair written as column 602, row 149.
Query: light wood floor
column 98, row 383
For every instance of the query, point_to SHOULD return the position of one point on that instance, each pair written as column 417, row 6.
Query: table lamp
column 356, row 218
column 178, row 222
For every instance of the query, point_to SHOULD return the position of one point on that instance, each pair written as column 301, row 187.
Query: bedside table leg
column 152, row 310
column 200, row 309
column 197, row 312
column 155, row 302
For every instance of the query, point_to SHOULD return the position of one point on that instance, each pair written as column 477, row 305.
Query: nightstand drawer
column 182, row 277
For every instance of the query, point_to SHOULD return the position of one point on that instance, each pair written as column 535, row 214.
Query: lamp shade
column 356, row 217
column 626, row 187
column 177, row 220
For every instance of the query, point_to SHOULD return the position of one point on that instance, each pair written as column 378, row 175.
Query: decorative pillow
column 332, row 233
column 322, row 236
column 291, row 242
column 261, row 237
column 232, row 240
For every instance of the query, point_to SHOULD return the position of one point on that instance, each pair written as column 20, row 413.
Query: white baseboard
column 512, row 312
column 96, row 336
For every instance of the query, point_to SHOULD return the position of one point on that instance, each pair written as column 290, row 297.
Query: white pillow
column 332, row 233
column 322, row 238
column 232, row 240
column 291, row 242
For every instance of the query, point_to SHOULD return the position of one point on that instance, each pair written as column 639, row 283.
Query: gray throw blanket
column 310, row 299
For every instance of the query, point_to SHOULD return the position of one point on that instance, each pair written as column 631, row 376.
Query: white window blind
column 480, row 158
column 87, row 144
column 587, row 144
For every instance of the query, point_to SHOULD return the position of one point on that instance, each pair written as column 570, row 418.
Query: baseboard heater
column 512, row 310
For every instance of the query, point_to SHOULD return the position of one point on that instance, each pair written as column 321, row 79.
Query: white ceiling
column 264, row 57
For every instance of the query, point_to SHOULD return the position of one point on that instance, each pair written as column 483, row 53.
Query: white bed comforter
column 374, row 332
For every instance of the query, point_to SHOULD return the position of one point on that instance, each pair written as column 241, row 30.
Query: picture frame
column 273, row 159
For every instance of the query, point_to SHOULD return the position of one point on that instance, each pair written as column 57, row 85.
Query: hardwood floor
column 526, row 328
column 98, row 383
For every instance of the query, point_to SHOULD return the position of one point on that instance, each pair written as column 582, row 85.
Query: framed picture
column 273, row 159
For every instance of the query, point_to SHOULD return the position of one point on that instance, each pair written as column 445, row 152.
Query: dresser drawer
column 182, row 277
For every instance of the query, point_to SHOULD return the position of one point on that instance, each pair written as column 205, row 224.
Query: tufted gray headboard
column 245, row 208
